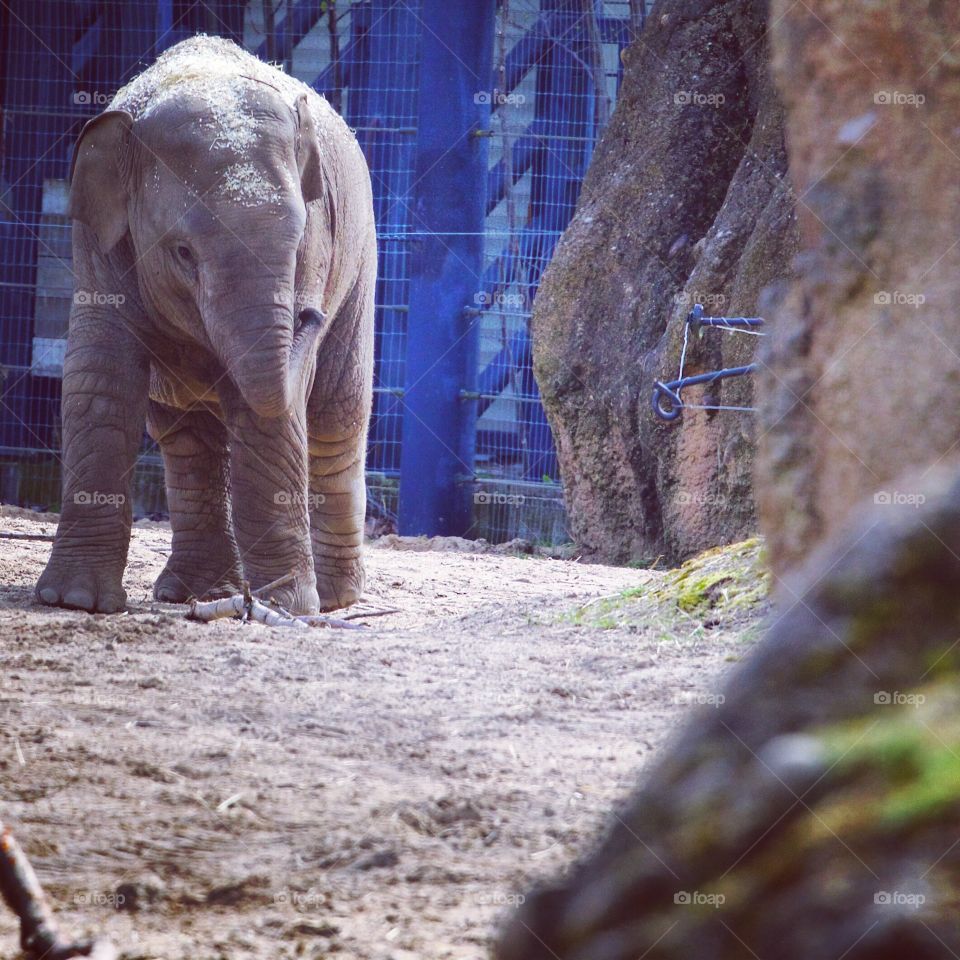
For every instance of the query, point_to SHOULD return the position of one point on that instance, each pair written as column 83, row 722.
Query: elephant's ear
column 98, row 192
column 308, row 153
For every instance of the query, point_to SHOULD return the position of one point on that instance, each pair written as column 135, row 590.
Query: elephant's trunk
column 271, row 364
column 257, row 357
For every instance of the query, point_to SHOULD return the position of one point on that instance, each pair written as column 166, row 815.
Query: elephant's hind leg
column 204, row 561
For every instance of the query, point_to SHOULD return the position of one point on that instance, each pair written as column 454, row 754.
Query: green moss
column 722, row 587
column 892, row 771
column 910, row 751
column 724, row 580
column 695, row 592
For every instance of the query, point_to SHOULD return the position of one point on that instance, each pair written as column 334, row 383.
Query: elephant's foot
column 340, row 583
column 181, row 581
column 81, row 585
column 298, row 597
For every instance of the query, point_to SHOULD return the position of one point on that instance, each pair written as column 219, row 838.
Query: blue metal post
column 449, row 204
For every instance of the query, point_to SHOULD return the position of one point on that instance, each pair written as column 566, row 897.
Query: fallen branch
column 27, row 536
column 249, row 609
column 40, row 937
column 246, row 607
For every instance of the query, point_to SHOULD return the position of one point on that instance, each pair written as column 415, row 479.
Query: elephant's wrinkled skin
column 225, row 262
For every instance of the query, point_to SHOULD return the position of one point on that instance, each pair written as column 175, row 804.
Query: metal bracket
column 669, row 392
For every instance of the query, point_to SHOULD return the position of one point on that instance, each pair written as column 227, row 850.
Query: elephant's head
column 212, row 190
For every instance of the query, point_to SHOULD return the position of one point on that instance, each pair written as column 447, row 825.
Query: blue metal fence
column 477, row 118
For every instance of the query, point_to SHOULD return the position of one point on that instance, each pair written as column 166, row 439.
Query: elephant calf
column 225, row 260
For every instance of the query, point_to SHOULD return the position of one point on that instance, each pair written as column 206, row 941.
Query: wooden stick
column 207, row 610
column 274, row 618
column 239, row 607
column 245, row 606
column 274, row 584
column 320, row 620
column 359, row 614
column 40, row 937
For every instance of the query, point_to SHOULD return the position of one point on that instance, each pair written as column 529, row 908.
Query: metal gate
column 478, row 119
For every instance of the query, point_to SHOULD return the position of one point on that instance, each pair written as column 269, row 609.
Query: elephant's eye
column 184, row 253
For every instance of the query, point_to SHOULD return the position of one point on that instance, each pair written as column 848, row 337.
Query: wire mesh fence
column 557, row 69
column 554, row 70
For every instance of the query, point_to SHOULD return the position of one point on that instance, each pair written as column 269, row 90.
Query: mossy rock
column 814, row 809
column 722, row 581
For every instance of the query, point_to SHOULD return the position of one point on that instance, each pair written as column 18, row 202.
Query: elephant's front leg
column 338, row 413
column 338, row 500
column 203, row 559
column 268, row 490
column 105, row 383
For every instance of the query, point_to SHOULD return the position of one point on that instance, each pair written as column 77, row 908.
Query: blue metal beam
column 525, row 54
column 351, row 54
column 295, row 27
column 522, row 153
column 451, row 168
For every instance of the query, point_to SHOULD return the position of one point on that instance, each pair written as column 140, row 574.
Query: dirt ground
column 231, row 790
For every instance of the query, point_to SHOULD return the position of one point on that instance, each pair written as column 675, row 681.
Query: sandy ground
column 232, row 790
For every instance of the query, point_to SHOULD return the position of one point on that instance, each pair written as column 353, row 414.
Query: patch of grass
column 721, row 588
column 596, row 612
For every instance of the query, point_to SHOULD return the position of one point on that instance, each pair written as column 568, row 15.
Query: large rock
column 863, row 371
column 686, row 199
column 815, row 812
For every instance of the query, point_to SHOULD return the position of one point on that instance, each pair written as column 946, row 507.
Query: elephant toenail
column 80, row 599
